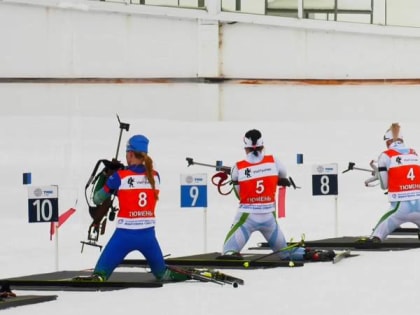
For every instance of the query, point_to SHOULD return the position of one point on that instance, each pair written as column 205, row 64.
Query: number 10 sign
column 43, row 204
column 193, row 190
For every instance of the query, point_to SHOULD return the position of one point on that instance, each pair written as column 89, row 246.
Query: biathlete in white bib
column 255, row 181
column 399, row 173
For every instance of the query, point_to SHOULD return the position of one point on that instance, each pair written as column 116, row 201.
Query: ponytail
column 148, row 163
column 395, row 130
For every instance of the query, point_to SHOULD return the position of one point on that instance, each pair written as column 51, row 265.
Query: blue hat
column 137, row 143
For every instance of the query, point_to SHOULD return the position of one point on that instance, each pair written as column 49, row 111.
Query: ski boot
column 173, row 274
column 6, row 292
column 368, row 242
column 318, row 254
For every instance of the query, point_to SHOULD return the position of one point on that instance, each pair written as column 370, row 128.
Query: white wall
column 43, row 42
column 46, row 42
column 234, row 101
column 132, row 41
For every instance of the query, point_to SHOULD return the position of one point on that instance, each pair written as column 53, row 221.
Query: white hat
column 393, row 133
column 253, row 139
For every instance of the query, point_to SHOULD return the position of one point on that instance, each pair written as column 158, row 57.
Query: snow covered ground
column 373, row 283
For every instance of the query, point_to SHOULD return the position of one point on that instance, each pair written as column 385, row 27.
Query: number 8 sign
column 324, row 180
column 194, row 190
column 43, row 204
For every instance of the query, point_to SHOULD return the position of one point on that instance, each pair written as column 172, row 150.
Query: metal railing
column 321, row 9
column 381, row 12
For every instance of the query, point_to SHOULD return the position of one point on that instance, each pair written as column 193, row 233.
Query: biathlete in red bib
column 398, row 172
column 255, row 181
column 137, row 189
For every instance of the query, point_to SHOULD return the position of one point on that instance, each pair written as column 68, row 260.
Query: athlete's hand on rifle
column 285, row 182
column 372, row 181
column 112, row 166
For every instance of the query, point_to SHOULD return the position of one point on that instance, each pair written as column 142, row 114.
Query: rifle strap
column 221, row 179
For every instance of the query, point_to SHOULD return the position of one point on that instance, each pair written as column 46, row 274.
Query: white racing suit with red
column 399, row 173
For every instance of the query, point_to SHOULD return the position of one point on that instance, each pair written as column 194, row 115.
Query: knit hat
column 253, row 139
column 137, row 143
column 393, row 133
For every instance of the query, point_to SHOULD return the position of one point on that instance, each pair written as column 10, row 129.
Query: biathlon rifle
column 221, row 178
column 97, row 179
column 371, row 181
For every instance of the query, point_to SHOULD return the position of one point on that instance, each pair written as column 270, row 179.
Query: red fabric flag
column 281, row 202
column 61, row 219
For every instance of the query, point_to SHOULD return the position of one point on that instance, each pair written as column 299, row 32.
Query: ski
column 81, row 280
column 353, row 242
column 344, row 254
column 22, row 300
column 209, row 275
column 213, row 260
column 79, row 285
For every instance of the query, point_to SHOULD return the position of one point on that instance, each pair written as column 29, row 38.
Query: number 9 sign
column 324, row 180
column 194, row 190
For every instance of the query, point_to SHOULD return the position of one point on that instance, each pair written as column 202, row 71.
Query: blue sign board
column 194, row 190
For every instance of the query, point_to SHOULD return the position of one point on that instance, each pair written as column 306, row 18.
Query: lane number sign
column 324, row 180
column 193, row 190
column 43, row 204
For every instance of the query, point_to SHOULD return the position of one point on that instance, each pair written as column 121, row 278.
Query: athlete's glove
column 372, row 181
column 285, row 182
column 112, row 166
